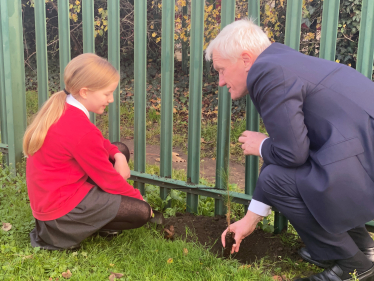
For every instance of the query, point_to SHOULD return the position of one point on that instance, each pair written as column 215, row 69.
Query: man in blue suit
column 318, row 166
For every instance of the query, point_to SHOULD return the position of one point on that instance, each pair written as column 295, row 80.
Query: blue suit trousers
column 277, row 187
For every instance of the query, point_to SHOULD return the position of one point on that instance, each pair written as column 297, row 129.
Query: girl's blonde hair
column 84, row 71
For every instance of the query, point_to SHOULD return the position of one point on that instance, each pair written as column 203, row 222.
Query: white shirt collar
column 72, row 101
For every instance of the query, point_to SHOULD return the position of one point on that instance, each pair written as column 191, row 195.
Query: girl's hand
column 121, row 165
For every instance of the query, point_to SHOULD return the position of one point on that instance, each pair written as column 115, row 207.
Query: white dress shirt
column 258, row 207
column 72, row 101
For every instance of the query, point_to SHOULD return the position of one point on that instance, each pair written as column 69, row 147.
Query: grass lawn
column 140, row 254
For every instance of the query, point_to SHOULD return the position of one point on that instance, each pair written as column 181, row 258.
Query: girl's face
column 97, row 101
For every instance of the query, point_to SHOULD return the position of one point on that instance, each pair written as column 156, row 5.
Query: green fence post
column 140, row 72
column 6, row 101
column 41, row 51
column 64, row 37
column 18, row 92
column 184, row 44
column 366, row 40
column 167, row 90
column 280, row 223
column 195, row 91
column 252, row 118
column 293, row 24
column 114, row 59
column 88, row 34
column 207, row 65
column 224, row 119
column 330, row 18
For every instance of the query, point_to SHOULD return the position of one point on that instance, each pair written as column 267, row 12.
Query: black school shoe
column 303, row 252
column 109, row 233
column 334, row 273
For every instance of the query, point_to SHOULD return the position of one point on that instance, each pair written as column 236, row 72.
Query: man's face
column 233, row 75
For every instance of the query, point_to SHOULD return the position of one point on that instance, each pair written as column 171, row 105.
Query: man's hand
column 242, row 229
column 121, row 165
column 251, row 142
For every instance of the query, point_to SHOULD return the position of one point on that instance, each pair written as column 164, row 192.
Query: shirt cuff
column 261, row 146
column 259, row 208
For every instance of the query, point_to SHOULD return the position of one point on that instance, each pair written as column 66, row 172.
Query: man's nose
column 221, row 82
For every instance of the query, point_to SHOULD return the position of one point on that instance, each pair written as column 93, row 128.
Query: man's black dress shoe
column 303, row 252
column 334, row 274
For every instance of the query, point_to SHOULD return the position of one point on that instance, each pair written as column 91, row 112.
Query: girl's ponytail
column 50, row 112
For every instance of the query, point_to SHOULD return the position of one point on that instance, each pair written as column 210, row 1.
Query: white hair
column 239, row 36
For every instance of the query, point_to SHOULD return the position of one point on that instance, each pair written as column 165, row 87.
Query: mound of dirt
column 207, row 231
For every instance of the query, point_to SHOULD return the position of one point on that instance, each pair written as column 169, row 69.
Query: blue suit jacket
column 320, row 118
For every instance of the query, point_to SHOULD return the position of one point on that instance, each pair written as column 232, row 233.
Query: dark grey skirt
column 95, row 210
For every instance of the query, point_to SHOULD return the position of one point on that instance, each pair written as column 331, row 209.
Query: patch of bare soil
column 207, row 231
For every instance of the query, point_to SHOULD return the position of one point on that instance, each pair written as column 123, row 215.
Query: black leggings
column 132, row 212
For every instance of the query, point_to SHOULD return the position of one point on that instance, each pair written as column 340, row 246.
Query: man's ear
column 83, row 93
column 248, row 60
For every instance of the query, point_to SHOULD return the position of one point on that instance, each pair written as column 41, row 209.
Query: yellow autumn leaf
column 151, row 27
column 159, row 5
column 66, row 274
column 238, row 16
column 100, row 10
column 98, row 23
column 175, row 37
column 6, row 226
column 170, row 260
column 158, row 39
column 74, row 17
column 154, row 34
column 77, row 2
column 70, row 6
column 337, row 61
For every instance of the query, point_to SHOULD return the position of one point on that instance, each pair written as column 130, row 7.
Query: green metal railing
column 167, row 90
column 12, row 81
column 12, row 86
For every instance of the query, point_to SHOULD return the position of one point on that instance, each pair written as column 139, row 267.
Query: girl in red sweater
column 73, row 187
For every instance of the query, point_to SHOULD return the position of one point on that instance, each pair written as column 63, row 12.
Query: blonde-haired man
column 319, row 157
